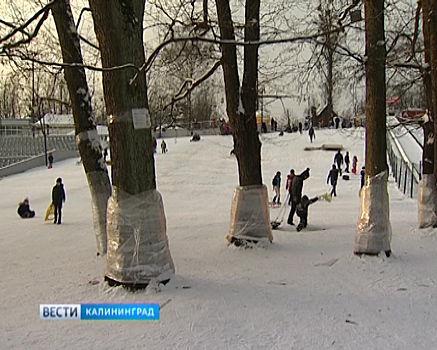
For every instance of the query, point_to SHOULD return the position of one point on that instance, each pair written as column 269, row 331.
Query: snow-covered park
column 306, row 290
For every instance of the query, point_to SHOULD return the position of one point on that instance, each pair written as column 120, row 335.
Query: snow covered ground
column 305, row 291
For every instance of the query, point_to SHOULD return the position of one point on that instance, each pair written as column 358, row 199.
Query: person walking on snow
column 346, row 162
column 363, row 176
column 276, row 182
column 296, row 193
column 290, row 178
column 333, row 176
column 163, row 147
column 58, row 197
column 354, row 165
column 312, row 134
column 338, row 158
column 51, row 159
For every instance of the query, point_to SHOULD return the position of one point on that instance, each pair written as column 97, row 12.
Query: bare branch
column 52, row 99
column 31, row 36
column 84, row 9
column 44, row 10
column 416, row 29
column 299, row 39
column 347, row 10
column 86, row 41
column 405, row 65
column 10, row 25
column 194, row 84
column 280, row 97
column 73, row 65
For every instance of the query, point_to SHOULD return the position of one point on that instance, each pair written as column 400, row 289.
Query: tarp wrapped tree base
column 138, row 250
column 427, row 202
column 373, row 234
column 100, row 189
column 250, row 216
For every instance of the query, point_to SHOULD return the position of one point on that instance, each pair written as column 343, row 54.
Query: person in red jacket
column 288, row 183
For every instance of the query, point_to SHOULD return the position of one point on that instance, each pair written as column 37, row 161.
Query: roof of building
column 15, row 121
column 57, row 120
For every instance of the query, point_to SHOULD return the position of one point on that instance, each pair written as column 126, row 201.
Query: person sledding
column 24, row 210
column 195, row 138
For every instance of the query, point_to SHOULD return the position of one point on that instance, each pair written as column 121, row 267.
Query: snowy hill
column 305, row 291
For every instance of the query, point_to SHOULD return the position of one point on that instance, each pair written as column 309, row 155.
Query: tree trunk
column 330, row 82
column 88, row 141
column 432, row 26
column 246, row 134
column 374, row 229
column 249, row 212
column 427, row 198
column 137, row 243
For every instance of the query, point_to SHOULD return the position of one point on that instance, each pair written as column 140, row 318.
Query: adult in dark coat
column 333, row 176
column 347, row 161
column 296, row 193
column 24, row 210
column 363, row 176
column 338, row 159
column 58, row 197
column 312, row 133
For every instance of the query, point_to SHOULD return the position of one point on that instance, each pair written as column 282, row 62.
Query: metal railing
column 406, row 174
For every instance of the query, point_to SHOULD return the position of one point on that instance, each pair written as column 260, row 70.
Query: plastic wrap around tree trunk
column 427, row 202
column 250, row 215
column 373, row 234
column 138, row 249
column 100, row 189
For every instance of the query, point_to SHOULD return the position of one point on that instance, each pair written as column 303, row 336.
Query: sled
column 274, row 205
column 275, row 223
column 50, row 212
column 326, row 197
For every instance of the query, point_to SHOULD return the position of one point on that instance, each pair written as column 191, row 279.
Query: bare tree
column 137, row 243
column 427, row 196
column 374, row 230
column 249, row 214
column 87, row 138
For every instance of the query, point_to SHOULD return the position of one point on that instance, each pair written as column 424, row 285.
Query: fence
column 406, row 174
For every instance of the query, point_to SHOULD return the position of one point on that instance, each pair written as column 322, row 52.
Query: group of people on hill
column 294, row 185
column 58, row 198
